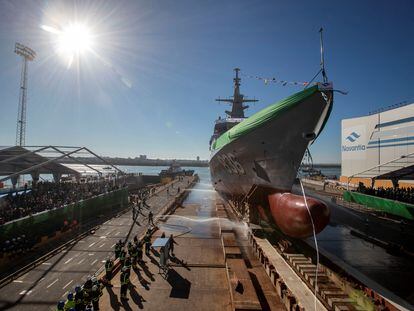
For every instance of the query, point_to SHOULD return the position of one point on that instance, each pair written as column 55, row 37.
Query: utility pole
column 27, row 54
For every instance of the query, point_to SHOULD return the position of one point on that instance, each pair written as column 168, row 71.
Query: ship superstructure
column 236, row 115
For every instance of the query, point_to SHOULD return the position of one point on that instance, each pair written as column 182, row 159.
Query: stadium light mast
column 27, row 54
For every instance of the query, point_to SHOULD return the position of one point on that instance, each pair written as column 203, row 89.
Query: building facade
column 373, row 145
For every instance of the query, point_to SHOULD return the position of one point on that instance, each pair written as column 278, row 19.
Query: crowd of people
column 49, row 195
column 83, row 298
column 127, row 255
column 16, row 246
column 399, row 194
column 87, row 296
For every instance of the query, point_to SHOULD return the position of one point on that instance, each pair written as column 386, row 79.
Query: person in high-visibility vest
column 79, row 303
column 130, row 246
column 151, row 218
column 139, row 251
column 147, row 240
column 127, row 263
column 124, row 283
column 87, row 291
column 70, row 302
column 118, row 247
column 122, row 256
column 171, row 244
column 134, row 255
column 96, row 294
column 109, row 265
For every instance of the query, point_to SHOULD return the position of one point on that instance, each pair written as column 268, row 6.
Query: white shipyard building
column 378, row 149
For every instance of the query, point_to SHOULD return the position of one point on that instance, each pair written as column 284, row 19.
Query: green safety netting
column 263, row 116
column 384, row 205
column 47, row 223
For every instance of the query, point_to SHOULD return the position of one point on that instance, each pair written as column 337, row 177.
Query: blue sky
column 161, row 64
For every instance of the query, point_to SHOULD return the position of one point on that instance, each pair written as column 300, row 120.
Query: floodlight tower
column 27, row 54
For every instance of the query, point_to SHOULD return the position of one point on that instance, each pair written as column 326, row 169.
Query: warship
column 254, row 161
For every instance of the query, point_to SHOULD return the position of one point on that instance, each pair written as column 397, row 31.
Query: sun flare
column 75, row 39
column 71, row 41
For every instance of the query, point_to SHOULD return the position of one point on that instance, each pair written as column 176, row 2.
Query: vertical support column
column 56, row 177
column 35, row 178
column 14, row 180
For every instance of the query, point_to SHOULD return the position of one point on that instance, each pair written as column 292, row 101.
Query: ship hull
column 266, row 159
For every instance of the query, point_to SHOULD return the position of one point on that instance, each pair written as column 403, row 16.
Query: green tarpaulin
column 263, row 116
column 384, row 205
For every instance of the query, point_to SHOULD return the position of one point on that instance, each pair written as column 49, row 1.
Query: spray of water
column 316, row 242
column 201, row 190
column 207, row 185
column 185, row 224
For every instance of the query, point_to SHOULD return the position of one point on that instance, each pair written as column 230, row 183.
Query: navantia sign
column 353, row 139
column 353, row 148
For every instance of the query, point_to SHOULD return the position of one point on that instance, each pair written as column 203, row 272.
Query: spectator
column 399, row 194
column 16, row 246
column 47, row 195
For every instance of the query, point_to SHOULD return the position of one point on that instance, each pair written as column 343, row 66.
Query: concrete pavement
column 43, row 286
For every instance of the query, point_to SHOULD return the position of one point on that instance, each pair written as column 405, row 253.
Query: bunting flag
column 276, row 81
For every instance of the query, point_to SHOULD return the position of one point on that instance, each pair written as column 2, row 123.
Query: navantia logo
column 353, row 137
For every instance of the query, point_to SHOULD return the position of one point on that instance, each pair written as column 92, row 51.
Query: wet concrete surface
column 394, row 272
column 198, row 277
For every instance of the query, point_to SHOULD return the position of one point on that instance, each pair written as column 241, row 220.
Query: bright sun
column 75, row 39
column 71, row 41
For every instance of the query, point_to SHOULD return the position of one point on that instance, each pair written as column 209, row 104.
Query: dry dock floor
column 212, row 268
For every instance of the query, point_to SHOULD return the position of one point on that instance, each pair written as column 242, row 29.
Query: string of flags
column 284, row 83
column 276, row 81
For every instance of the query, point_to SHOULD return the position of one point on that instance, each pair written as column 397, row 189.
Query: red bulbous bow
column 292, row 217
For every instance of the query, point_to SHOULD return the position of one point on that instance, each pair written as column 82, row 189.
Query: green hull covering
column 380, row 204
column 262, row 117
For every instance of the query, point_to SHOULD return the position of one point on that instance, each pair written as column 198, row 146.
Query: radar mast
column 237, row 109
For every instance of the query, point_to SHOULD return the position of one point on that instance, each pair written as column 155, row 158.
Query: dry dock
column 213, row 268
column 219, row 264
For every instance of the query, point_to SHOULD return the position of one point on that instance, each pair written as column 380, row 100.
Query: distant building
column 379, row 147
column 142, row 156
column 198, row 158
